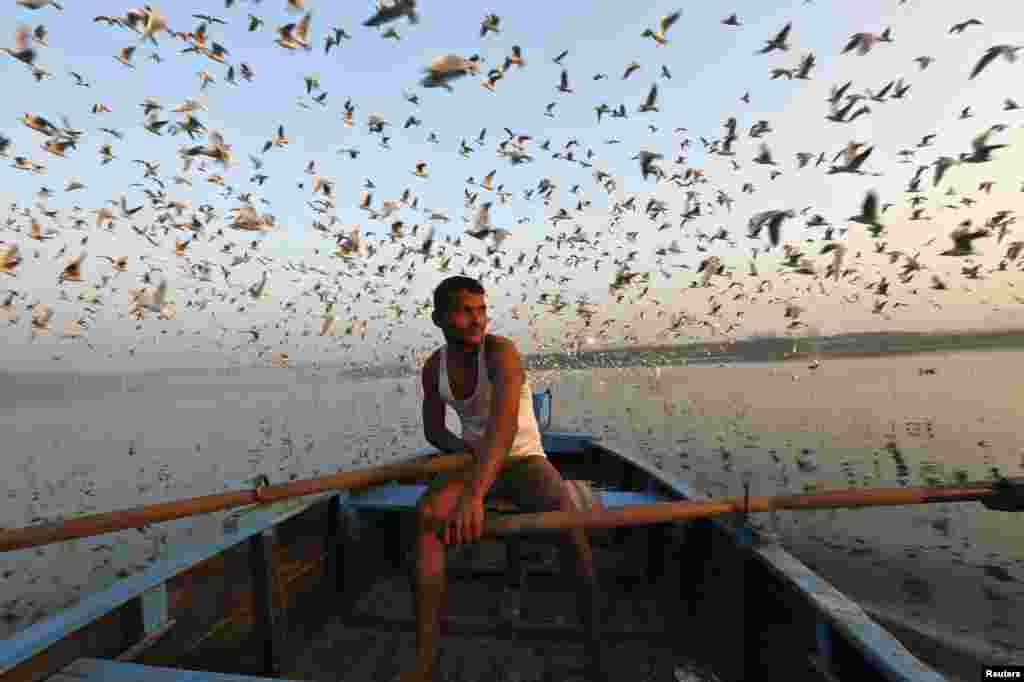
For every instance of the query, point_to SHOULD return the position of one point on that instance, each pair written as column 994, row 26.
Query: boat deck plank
column 484, row 640
column 102, row 670
column 346, row 654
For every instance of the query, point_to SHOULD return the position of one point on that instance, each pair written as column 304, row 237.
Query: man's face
column 466, row 319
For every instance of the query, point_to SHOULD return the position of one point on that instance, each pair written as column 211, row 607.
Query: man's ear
column 436, row 317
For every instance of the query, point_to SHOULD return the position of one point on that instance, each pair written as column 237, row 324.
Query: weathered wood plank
column 147, row 642
column 381, row 654
column 823, row 668
column 154, row 608
column 333, row 564
column 96, row 669
column 102, row 670
column 334, row 654
column 884, row 652
column 880, row 649
column 268, row 619
column 108, row 635
column 657, row 543
column 548, row 602
column 696, row 554
column 39, row 637
column 726, row 593
column 482, row 626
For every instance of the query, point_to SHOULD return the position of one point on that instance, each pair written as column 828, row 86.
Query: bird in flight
column 962, row 26
column 1007, row 52
column 658, row 36
column 778, row 42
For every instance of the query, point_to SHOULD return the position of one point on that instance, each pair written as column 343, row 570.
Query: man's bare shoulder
column 497, row 345
column 432, row 365
column 503, row 358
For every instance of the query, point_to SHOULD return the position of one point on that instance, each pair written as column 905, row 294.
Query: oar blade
column 1007, row 495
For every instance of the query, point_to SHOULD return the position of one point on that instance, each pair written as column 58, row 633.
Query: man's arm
column 501, row 430
column 434, row 429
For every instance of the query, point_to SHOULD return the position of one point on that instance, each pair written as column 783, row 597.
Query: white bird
column 295, row 35
column 41, row 316
column 125, row 56
column 664, row 25
column 38, row 4
column 23, row 50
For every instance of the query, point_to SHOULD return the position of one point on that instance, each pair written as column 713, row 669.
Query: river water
column 790, row 426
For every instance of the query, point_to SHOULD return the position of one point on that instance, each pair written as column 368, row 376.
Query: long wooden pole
column 1004, row 496
column 137, row 517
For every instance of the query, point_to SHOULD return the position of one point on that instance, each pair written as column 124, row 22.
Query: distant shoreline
column 773, row 349
column 752, row 350
column 958, row 337
column 781, row 349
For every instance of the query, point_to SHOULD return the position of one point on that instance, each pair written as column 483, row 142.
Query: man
column 481, row 376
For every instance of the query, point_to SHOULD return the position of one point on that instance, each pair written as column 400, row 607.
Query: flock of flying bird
column 358, row 270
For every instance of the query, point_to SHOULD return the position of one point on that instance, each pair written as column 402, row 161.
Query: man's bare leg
column 539, row 487
column 431, row 580
column 589, row 602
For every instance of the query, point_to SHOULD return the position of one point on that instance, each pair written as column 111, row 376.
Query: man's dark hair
column 446, row 290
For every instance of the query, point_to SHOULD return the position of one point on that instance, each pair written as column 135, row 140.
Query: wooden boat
column 319, row 588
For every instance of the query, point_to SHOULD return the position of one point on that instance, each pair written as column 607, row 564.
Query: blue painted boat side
column 250, row 521
column 880, row 648
column 387, row 497
column 37, row 638
column 612, row 499
column 405, row 497
column 103, row 670
column 883, row 652
column 557, row 442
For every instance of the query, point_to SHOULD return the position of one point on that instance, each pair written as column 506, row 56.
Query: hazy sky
column 712, row 66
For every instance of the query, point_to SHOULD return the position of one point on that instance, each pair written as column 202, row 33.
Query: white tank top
column 475, row 410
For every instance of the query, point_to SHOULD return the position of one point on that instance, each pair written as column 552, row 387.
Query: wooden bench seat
column 403, row 498
column 399, row 497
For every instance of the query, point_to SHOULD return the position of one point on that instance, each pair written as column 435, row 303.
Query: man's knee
column 576, row 555
column 438, row 502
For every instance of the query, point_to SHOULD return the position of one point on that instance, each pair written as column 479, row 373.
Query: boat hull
column 712, row 592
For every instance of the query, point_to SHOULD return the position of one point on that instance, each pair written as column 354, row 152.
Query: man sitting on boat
column 482, row 377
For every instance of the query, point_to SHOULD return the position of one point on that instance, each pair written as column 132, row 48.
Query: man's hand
column 466, row 524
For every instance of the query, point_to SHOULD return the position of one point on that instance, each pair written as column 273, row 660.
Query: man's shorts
column 532, row 483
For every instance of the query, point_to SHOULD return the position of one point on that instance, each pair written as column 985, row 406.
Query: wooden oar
column 1003, row 495
column 137, row 517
